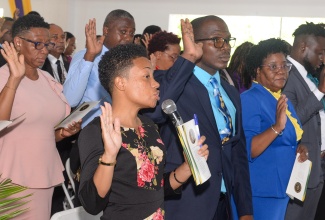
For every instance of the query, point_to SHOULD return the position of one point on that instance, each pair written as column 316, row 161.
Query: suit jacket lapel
column 66, row 65
column 47, row 67
column 203, row 97
column 297, row 74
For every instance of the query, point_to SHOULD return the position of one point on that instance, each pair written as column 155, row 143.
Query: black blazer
column 48, row 68
column 228, row 161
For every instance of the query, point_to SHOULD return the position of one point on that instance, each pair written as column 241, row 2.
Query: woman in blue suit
column 272, row 129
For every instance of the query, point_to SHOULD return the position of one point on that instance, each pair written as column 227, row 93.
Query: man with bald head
column 196, row 89
column 306, row 92
column 82, row 83
column 54, row 63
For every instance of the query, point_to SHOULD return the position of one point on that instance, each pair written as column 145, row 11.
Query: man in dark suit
column 54, row 63
column 189, row 86
column 307, row 54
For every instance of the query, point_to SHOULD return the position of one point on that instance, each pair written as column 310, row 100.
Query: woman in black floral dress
column 122, row 155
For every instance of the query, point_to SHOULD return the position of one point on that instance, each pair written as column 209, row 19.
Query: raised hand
column 147, row 38
column 15, row 61
column 281, row 117
column 192, row 51
column 2, row 21
column 153, row 61
column 16, row 14
column 111, row 131
column 93, row 45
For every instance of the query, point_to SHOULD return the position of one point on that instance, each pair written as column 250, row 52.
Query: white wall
column 72, row 15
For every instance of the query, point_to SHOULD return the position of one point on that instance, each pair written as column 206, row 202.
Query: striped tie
column 226, row 133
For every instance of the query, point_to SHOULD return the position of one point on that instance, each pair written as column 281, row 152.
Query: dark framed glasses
column 219, row 42
column 40, row 45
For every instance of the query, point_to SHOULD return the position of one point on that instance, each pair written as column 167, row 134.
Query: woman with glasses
column 272, row 129
column 28, row 154
column 165, row 47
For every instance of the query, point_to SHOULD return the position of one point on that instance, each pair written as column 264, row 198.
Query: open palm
column 111, row 131
column 15, row 61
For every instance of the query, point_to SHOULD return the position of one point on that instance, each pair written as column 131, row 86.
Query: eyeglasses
column 40, row 45
column 174, row 58
column 274, row 68
column 219, row 42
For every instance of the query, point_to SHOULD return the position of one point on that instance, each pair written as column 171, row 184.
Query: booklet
column 189, row 135
column 77, row 114
column 4, row 124
column 298, row 181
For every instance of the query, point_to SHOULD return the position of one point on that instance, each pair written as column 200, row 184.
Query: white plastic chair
column 78, row 213
column 70, row 174
column 69, row 198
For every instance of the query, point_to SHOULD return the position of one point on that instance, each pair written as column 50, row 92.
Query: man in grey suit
column 306, row 95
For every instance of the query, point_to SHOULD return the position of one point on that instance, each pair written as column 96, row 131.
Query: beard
column 309, row 67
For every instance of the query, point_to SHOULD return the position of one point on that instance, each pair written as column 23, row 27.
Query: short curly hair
column 160, row 40
column 262, row 50
column 117, row 61
column 310, row 29
column 27, row 22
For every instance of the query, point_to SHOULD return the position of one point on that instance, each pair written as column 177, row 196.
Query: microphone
column 169, row 107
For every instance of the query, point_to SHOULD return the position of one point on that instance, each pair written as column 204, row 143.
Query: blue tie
column 226, row 133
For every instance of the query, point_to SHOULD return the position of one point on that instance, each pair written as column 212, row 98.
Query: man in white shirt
column 82, row 83
column 54, row 64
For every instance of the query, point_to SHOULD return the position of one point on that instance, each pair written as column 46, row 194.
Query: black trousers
column 223, row 209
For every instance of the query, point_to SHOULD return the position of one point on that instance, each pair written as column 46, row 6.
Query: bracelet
column 61, row 133
column 278, row 133
column 177, row 179
column 106, row 164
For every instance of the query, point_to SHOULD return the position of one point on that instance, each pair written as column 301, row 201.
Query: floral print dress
column 137, row 190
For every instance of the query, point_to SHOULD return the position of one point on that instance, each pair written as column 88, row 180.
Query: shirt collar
column 104, row 49
column 204, row 77
column 301, row 69
column 53, row 59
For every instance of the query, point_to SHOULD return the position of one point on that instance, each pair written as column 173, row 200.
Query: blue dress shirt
column 82, row 84
column 204, row 77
